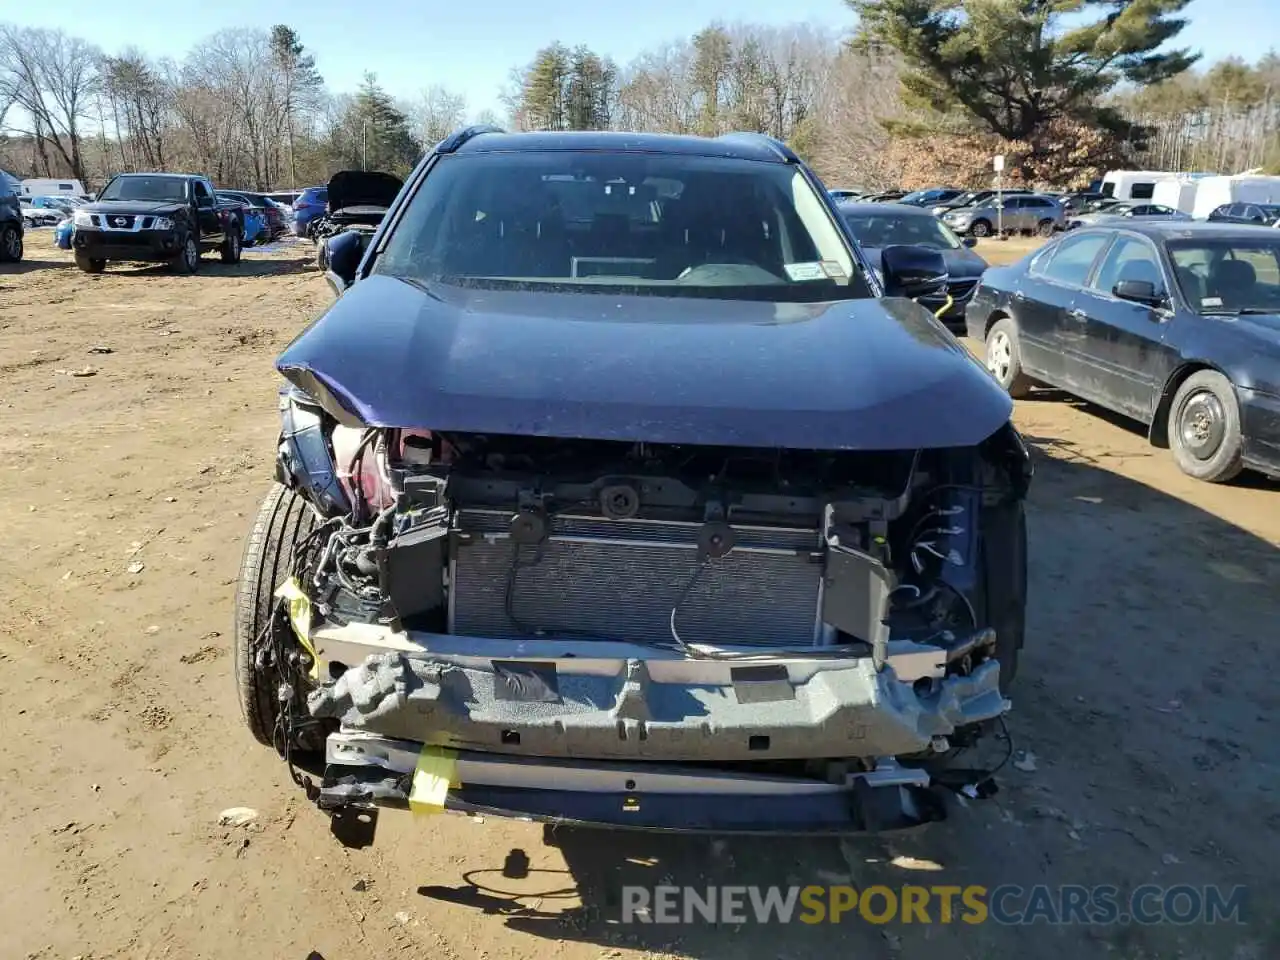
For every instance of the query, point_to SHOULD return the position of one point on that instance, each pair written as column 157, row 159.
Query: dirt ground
column 1145, row 691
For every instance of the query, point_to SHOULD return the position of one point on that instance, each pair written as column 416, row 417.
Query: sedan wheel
column 980, row 228
column 1204, row 428
column 1004, row 359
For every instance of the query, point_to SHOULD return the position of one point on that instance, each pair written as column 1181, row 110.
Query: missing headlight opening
column 521, row 597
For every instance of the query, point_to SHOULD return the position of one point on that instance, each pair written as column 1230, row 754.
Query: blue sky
column 470, row 47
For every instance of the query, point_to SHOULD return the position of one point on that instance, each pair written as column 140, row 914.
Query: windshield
column 590, row 222
column 1228, row 275
column 145, row 188
column 881, row 230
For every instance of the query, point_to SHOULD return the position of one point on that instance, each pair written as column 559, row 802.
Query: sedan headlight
column 162, row 223
column 82, row 218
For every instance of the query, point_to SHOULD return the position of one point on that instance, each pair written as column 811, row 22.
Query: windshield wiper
column 1244, row 312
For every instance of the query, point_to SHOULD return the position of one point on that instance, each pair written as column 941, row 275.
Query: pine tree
column 1015, row 66
column 381, row 131
column 544, row 93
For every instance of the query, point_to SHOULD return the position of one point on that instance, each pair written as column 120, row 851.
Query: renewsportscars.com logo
column 1007, row 904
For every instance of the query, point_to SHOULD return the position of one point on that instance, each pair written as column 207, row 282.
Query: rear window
column 1142, row 191
column 612, row 222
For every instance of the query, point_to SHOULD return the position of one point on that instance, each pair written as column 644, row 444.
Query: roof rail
column 762, row 140
column 456, row 139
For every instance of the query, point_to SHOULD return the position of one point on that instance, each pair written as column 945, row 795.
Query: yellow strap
column 945, row 307
column 436, row 771
column 300, row 618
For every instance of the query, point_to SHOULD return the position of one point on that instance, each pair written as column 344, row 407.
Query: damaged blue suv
column 617, row 487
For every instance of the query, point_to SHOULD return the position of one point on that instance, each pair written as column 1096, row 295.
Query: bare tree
column 52, row 78
column 435, row 113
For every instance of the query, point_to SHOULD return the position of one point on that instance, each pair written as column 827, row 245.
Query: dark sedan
column 1263, row 214
column 879, row 225
column 1172, row 323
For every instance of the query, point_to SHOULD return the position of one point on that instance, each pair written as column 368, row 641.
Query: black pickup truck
column 155, row 217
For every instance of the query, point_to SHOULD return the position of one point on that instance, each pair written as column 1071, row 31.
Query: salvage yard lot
column 129, row 477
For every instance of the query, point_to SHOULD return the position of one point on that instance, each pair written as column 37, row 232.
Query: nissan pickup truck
column 155, row 217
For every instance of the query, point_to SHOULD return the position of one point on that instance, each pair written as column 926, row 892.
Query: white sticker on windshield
column 833, row 269
column 1211, row 301
column 805, row 271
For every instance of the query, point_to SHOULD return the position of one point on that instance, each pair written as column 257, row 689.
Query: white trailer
column 1179, row 193
column 52, row 187
column 1134, row 184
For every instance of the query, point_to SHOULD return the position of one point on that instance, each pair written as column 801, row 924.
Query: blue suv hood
column 845, row 375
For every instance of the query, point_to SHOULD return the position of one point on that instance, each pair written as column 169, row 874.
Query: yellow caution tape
column 300, row 619
column 436, row 771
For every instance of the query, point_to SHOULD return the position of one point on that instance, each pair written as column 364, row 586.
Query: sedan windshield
column 663, row 225
column 1228, row 275
column 145, row 188
column 881, row 230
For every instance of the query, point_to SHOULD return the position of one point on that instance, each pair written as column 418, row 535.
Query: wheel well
column 1158, row 432
column 995, row 317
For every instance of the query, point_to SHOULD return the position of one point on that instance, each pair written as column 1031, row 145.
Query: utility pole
column 998, row 163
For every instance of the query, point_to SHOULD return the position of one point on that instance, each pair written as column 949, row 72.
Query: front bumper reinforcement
column 367, row 771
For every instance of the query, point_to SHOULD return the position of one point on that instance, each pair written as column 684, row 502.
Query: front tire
column 188, row 259
column 1204, row 428
column 231, row 247
column 284, row 519
column 90, row 264
column 10, row 243
column 980, row 229
column 1004, row 358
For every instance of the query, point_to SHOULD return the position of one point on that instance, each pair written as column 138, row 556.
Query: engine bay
column 706, row 550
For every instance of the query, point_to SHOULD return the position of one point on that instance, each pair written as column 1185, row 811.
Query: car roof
column 729, row 147
column 1182, row 229
column 164, row 173
column 907, row 209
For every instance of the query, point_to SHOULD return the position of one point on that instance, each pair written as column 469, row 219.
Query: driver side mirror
column 970, row 242
column 342, row 255
column 1139, row 291
column 911, row 271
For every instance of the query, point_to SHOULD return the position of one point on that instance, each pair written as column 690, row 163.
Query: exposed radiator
column 618, row 580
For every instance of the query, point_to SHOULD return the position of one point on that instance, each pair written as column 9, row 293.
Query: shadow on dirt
column 211, row 267
column 31, row 266
column 1248, row 479
column 1148, row 723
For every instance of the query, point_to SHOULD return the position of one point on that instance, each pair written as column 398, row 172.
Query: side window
column 1129, row 259
column 1143, row 191
column 1074, row 257
column 1013, row 203
column 203, row 197
column 1141, row 210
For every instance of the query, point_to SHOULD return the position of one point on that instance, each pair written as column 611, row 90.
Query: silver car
column 1139, row 209
column 1023, row 213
